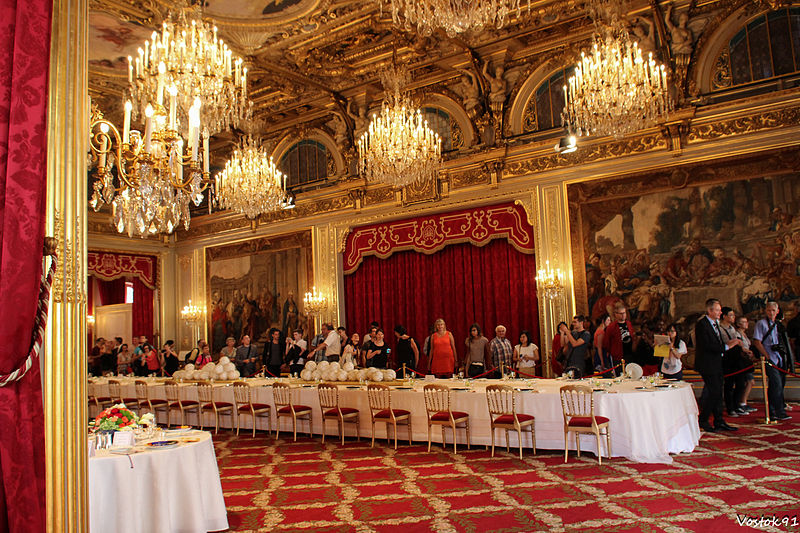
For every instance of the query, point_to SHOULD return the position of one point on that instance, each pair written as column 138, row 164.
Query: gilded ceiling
column 313, row 67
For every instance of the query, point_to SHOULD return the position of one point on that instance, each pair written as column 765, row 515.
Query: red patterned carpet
column 307, row 486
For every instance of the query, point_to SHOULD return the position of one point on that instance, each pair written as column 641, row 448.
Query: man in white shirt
column 332, row 343
column 296, row 352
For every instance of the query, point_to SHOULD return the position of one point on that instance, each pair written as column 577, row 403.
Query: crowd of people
column 724, row 354
column 115, row 357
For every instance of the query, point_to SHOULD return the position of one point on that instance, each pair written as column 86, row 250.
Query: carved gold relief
column 530, row 121
column 417, row 192
column 456, row 135
column 67, row 285
column 475, row 176
column 721, row 75
column 597, row 152
column 737, row 126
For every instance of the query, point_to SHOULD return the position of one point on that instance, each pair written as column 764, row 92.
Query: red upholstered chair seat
column 297, row 409
column 256, row 406
column 509, row 419
column 158, row 402
column 103, row 399
column 344, row 410
column 586, row 421
column 127, row 401
column 444, row 416
column 219, row 405
column 184, row 403
column 397, row 413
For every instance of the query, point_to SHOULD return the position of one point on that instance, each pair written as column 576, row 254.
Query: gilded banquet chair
column 577, row 404
column 503, row 415
column 329, row 405
column 205, row 393
column 172, row 391
column 437, row 406
column 285, row 407
column 115, row 392
column 153, row 405
column 242, row 395
column 380, row 409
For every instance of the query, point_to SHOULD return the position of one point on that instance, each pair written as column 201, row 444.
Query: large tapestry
column 667, row 241
column 256, row 285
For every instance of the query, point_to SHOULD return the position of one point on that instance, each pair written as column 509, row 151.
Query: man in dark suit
column 709, row 351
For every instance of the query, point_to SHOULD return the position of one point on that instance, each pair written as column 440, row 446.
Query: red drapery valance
column 430, row 234
column 108, row 266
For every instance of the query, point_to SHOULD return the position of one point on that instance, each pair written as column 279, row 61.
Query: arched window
column 544, row 108
column 305, row 162
column 766, row 47
column 439, row 121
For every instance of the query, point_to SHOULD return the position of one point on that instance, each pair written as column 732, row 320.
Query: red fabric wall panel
column 463, row 283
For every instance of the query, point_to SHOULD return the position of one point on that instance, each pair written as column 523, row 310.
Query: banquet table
column 647, row 423
column 172, row 490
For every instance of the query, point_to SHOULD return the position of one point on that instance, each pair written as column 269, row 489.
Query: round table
column 158, row 490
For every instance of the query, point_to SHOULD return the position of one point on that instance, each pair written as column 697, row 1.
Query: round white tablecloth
column 172, row 490
column 646, row 425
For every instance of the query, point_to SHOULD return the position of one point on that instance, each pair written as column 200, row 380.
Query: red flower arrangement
column 117, row 417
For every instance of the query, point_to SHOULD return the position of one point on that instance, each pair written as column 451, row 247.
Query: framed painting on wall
column 256, row 285
column 666, row 241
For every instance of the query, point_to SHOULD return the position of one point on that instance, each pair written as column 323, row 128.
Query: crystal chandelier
column 187, row 54
column 614, row 91
column 149, row 179
column 398, row 148
column 314, row 302
column 550, row 281
column 192, row 314
column 251, row 183
column 453, row 16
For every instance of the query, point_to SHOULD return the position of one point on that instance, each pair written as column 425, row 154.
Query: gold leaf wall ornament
column 58, row 279
column 748, row 124
column 456, row 135
column 67, row 282
column 721, row 75
column 530, row 121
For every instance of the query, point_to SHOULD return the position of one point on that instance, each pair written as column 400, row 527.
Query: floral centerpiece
column 120, row 418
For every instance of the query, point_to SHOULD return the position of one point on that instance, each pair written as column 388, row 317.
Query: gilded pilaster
column 551, row 227
column 64, row 359
column 328, row 277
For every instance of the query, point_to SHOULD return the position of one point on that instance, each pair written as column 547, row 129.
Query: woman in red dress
column 443, row 351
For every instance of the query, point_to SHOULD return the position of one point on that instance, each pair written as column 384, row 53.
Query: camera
column 780, row 349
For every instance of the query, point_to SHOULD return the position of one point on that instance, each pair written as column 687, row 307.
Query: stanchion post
column 765, row 387
column 404, row 371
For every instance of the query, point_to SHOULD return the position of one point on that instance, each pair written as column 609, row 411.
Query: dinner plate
column 178, row 430
column 120, row 450
column 163, row 444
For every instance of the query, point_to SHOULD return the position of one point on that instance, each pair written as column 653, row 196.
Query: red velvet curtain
column 24, row 64
column 111, row 292
column 491, row 285
column 142, row 310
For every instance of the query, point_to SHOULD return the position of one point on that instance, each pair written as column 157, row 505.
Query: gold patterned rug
column 750, row 477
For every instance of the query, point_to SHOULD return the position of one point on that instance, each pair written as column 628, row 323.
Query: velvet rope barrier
column 779, row 369
column 40, row 323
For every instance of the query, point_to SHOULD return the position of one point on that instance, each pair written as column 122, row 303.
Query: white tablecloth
column 646, row 425
column 172, row 490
